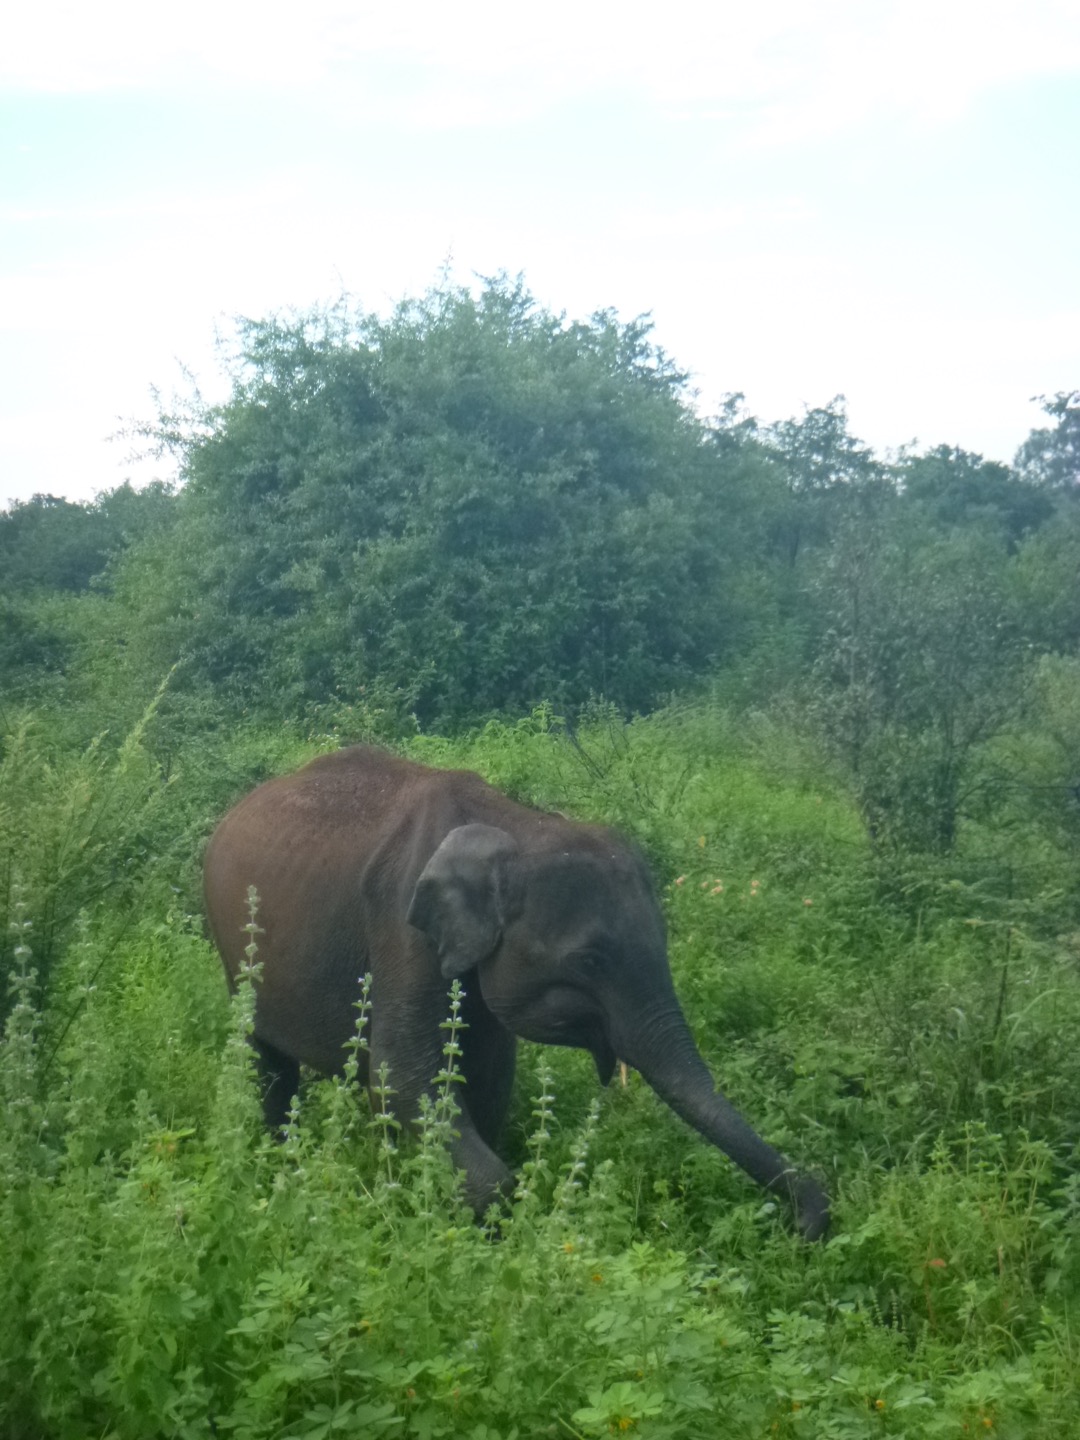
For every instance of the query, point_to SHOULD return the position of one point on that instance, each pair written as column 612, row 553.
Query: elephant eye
column 588, row 961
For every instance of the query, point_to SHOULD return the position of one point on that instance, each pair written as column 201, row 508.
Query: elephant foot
column 487, row 1180
column 811, row 1208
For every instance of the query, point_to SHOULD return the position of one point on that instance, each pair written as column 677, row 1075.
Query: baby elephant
column 367, row 863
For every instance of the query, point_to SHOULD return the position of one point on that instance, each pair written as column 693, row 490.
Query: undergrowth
column 904, row 1030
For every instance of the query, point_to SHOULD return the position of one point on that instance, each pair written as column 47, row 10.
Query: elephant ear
column 467, row 893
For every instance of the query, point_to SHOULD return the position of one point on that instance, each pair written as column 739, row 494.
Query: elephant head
column 569, row 947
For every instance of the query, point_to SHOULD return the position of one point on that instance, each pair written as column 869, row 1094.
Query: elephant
column 368, row 863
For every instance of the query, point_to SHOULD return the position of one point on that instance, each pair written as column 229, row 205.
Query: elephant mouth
column 561, row 1015
column 574, row 1031
column 591, row 1038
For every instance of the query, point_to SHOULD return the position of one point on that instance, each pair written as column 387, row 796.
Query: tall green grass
column 908, row 1032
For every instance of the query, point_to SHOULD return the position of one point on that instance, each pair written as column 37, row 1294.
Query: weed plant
column 906, row 1030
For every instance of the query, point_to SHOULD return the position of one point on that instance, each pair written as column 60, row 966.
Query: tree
column 48, row 543
column 1044, row 583
column 55, row 556
column 922, row 661
column 1051, row 456
column 470, row 506
column 954, row 489
column 822, row 464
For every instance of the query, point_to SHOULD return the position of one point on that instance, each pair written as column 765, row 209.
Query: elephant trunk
column 670, row 1061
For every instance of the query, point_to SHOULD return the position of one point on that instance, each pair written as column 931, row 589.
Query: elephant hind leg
column 279, row 1080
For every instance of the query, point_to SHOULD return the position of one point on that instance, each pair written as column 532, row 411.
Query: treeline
column 476, row 506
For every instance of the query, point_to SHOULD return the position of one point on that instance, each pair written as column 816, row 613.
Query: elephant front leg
column 411, row 1069
column 488, row 1063
column 487, row 1180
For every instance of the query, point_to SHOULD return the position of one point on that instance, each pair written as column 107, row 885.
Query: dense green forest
column 834, row 696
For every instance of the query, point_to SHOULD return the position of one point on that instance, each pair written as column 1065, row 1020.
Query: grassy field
column 906, row 1028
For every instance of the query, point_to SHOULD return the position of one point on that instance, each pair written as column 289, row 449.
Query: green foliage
column 1051, row 456
column 76, row 829
column 922, row 661
column 97, row 827
column 907, row 1032
column 955, row 489
column 47, row 543
column 464, row 509
column 821, row 465
column 1044, row 580
column 54, row 558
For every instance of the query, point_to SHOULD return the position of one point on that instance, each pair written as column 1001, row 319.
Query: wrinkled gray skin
column 364, row 862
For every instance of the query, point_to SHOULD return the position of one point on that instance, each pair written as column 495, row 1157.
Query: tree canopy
column 473, row 505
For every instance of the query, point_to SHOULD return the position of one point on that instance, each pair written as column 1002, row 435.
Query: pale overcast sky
column 855, row 196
